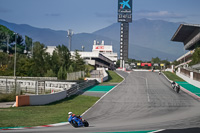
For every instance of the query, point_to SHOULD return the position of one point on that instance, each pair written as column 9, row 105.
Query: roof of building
column 184, row 32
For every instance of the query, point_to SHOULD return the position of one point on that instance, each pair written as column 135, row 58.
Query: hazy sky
column 91, row 15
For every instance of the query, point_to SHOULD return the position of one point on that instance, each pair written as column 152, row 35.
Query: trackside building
column 101, row 55
column 189, row 35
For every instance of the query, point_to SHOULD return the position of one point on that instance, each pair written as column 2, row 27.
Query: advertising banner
column 124, row 10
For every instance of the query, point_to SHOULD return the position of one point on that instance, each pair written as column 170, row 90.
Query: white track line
column 148, row 96
column 157, row 131
column 104, row 95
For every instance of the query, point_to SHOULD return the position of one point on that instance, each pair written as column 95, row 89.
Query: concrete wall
column 27, row 100
column 46, row 99
column 102, row 79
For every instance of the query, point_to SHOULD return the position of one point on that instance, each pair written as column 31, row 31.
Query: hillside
column 148, row 38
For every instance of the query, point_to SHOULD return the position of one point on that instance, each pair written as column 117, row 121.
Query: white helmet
column 70, row 113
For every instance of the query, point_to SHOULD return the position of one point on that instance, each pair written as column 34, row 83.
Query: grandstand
column 189, row 35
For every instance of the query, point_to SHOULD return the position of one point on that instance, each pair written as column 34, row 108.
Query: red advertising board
column 145, row 64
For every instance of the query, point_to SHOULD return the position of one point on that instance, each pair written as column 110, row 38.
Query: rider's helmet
column 70, row 113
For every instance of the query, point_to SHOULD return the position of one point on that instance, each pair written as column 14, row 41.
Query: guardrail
column 29, row 100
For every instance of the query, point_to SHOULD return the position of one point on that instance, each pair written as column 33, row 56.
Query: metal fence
column 33, row 86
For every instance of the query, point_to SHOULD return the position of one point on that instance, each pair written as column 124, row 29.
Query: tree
column 155, row 60
column 6, row 64
column 28, row 43
column 79, row 64
column 61, row 57
column 5, row 35
column 19, row 47
column 50, row 73
column 62, row 73
column 71, row 69
column 23, row 65
column 195, row 57
column 39, row 54
column 118, row 63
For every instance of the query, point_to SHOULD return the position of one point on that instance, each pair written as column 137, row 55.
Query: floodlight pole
column 32, row 47
column 70, row 34
column 8, row 44
column 15, row 55
column 15, row 61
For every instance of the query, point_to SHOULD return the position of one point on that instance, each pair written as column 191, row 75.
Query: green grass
column 112, row 78
column 172, row 76
column 43, row 115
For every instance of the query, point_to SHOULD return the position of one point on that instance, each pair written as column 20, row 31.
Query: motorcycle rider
column 71, row 116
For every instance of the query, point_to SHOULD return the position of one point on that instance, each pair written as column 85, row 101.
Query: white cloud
column 158, row 14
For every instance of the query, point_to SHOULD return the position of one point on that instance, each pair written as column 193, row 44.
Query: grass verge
column 172, row 76
column 113, row 78
column 43, row 115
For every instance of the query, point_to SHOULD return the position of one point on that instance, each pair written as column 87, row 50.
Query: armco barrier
column 26, row 100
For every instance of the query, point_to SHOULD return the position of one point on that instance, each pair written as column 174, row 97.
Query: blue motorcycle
column 77, row 121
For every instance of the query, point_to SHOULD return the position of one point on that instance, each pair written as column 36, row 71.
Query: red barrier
column 22, row 101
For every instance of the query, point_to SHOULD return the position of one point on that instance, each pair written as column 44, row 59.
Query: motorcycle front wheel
column 85, row 123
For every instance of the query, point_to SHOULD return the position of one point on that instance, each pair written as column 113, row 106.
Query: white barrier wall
column 34, row 100
column 46, row 99
column 189, row 80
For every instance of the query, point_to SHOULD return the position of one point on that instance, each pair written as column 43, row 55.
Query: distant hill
column 148, row 38
column 153, row 34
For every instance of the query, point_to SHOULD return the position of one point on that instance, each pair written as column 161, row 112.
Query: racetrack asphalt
column 144, row 101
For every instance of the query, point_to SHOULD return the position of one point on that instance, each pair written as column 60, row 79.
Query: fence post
column 191, row 75
column 6, row 85
column 179, row 70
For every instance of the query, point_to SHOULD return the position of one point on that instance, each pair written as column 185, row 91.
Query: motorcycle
column 175, row 87
column 77, row 121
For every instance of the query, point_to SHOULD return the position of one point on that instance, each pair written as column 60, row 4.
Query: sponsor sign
column 99, row 47
column 124, row 10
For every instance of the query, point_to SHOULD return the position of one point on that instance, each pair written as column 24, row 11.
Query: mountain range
column 147, row 38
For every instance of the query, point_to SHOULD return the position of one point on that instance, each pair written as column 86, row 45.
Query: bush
column 7, row 97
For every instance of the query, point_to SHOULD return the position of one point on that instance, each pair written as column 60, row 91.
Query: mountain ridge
column 147, row 38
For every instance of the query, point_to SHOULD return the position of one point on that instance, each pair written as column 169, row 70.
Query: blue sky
column 91, row 15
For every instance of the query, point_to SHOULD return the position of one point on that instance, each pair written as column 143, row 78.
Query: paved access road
column 144, row 101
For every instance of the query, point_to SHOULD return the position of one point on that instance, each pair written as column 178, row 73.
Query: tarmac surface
column 6, row 104
column 144, row 101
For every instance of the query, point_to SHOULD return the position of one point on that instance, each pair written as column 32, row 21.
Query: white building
column 50, row 49
column 101, row 55
column 106, row 50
